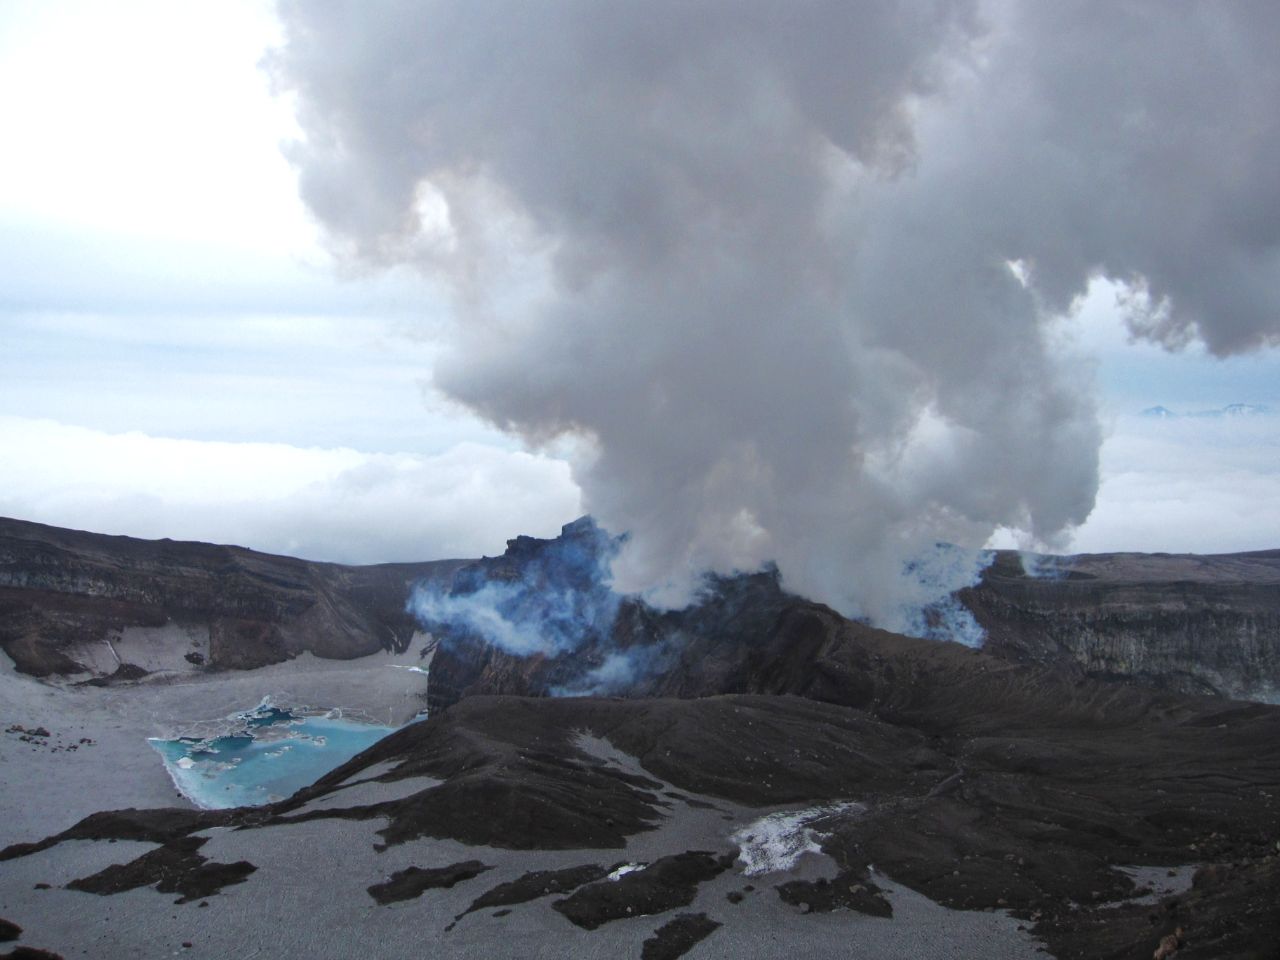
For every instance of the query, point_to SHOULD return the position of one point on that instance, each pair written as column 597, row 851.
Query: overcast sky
column 181, row 355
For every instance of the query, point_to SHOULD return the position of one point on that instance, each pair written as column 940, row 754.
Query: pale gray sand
column 1162, row 881
column 43, row 791
column 153, row 649
column 303, row 905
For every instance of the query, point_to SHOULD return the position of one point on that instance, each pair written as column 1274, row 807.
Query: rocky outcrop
column 1197, row 624
column 75, row 603
column 596, row 642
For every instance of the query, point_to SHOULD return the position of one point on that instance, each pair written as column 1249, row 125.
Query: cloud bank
column 322, row 504
column 791, row 277
column 1188, row 484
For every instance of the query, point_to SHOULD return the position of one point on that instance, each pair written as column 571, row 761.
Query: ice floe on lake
column 262, row 755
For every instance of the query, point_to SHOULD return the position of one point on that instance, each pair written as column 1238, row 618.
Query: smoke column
column 790, row 278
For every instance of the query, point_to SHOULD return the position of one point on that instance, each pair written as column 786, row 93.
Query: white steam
column 754, row 259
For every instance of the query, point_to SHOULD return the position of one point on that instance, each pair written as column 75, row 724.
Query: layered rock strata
column 80, row 604
column 1198, row 624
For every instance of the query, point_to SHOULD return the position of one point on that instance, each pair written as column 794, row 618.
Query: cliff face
column 1195, row 624
column 74, row 603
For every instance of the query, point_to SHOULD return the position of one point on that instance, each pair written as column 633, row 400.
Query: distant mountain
column 1243, row 410
column 1230, row 410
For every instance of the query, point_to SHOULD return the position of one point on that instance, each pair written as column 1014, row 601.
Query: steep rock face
column 594, row 642
column 74, row 603
column 1196, row 624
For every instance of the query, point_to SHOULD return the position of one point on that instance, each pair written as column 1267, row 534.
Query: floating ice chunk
column 777, row 842
column 623, row 870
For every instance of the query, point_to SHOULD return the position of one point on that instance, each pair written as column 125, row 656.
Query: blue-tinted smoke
column 1043, row 566
column 929, row 607
column 541, row 597
column 554, row 599
column 619, row 673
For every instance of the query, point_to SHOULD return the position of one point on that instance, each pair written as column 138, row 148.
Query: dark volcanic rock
column 61, row 590
column 150, row 826
column 1233, row 911
column 1196, row 624
column 9, row 930
column 124, row 673
column 703, row 650
column 850, row 890
column 514, row 778
column 1008, row 778
column 539, row 883
column 30, row 953
column 413, row 881
column 661, row 886
column 676, row 938
column 557, row 588
column 176, row 867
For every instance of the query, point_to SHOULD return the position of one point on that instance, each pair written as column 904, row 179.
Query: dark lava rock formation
column 678, row 937
column 414, row 881
column 175, row 867
column 64, row 593
column 539, row 883
column 658, row 887
column 1198, row 624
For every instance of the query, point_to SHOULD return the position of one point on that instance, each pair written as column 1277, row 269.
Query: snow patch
column 777, row 842
column 411, row 668
column 623, row 870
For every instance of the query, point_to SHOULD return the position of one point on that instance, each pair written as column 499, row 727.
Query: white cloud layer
column 1186, row 485
column 1189, row 485
column 322, row 504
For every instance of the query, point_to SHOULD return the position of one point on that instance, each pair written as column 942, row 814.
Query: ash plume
column 790, row 278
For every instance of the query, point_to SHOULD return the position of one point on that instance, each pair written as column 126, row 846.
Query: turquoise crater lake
column 263, row 755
